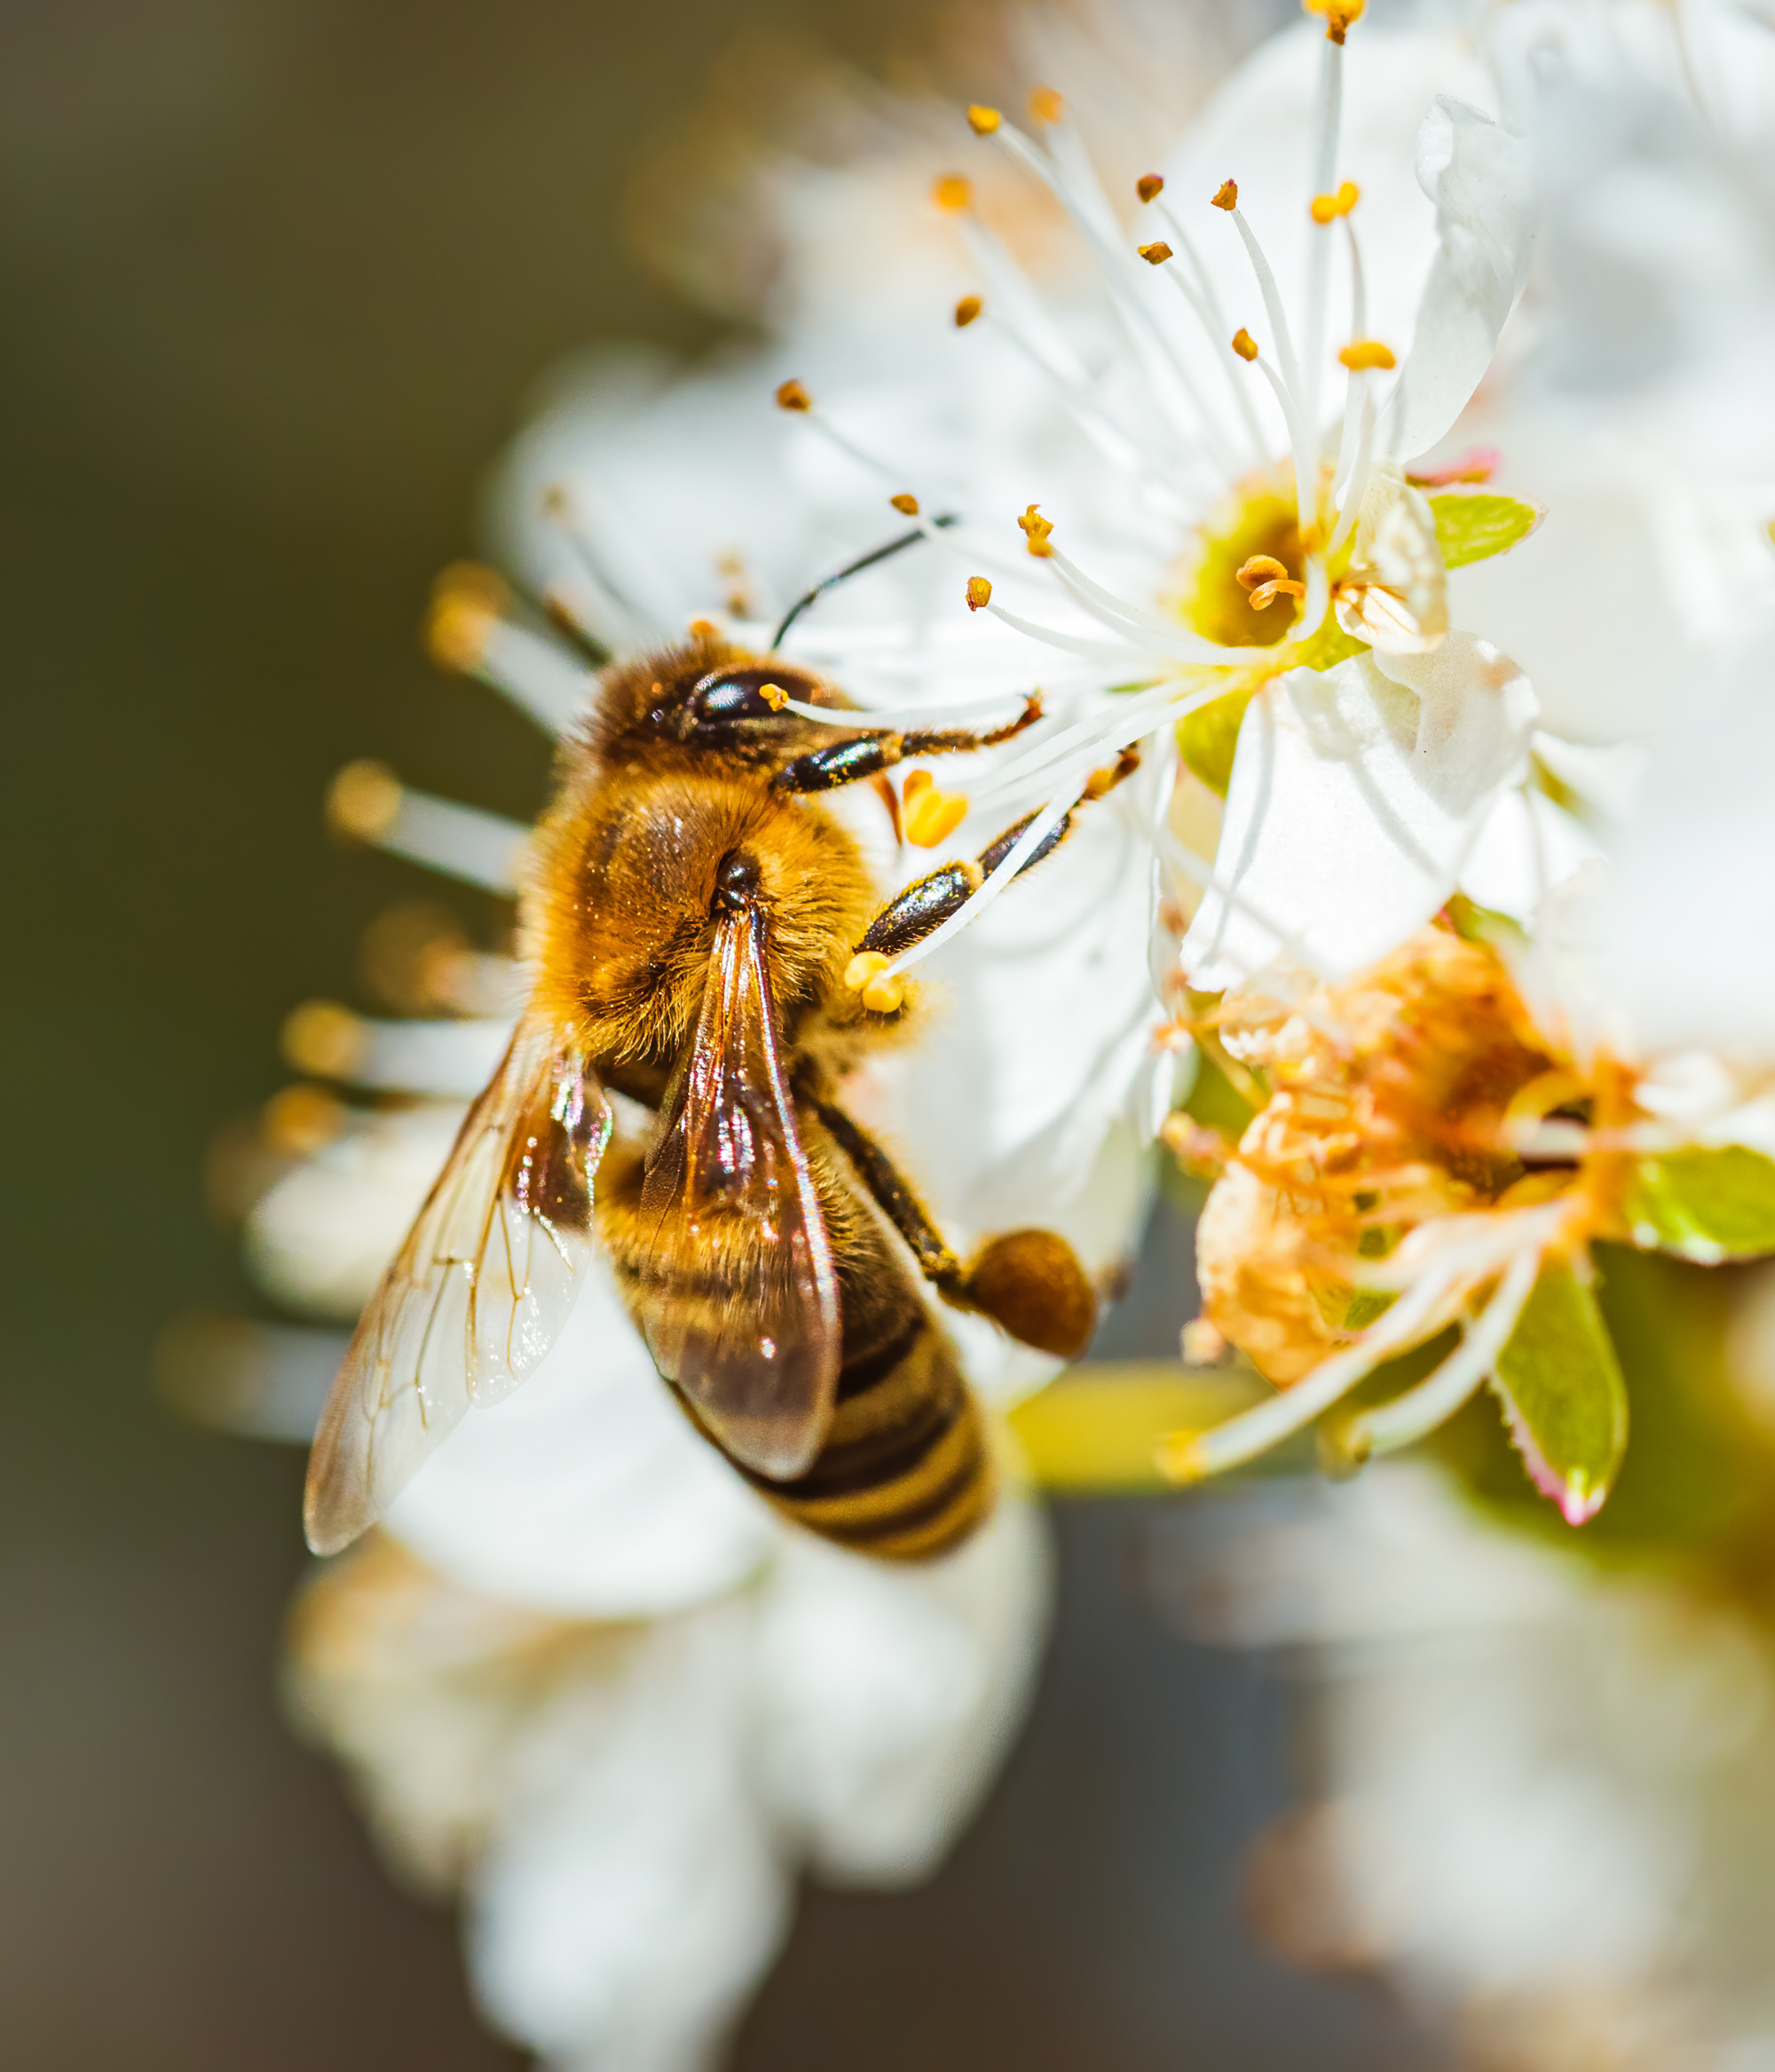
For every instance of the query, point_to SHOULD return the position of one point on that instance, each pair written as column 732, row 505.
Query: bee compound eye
column 736, row 694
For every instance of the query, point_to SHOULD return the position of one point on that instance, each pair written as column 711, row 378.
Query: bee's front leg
column 924, row 904
column 1027, row 1281
column 843, row 762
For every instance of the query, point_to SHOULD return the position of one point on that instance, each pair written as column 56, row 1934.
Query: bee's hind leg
column 924, row 904
column 1027, row 1281
column 862, row 755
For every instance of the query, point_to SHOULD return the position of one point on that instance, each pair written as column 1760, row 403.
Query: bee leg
column 1029, row 1282
column 843, row 762
column 928, row 902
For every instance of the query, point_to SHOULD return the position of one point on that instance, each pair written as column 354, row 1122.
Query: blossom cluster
column 1377, row 488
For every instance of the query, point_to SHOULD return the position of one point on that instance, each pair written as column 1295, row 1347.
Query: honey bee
column 696, row 921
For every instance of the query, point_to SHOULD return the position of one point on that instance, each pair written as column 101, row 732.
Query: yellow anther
column 1036, row 529
column 1226, row 195
column 774, row 695
column 905, row 503
column 982, row 121
column 466, row 603
column 966, row 311
column 916, row 780
column 703, row 629
column 301, row 1120
column 1328, row 207
column 1267, row 579
column 793, row 396
column 862, row 974
column 363, row 800
column 932, row 814
column 1361, row 354
column 1155, row 255
column 323, row 1038
column 1244, row 344
column 952, row 192
column 979, row 593
column 1339, row 15
column 1149, row 187
column 1045, row 104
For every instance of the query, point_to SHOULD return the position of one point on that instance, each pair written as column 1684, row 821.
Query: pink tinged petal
column 1481, row 176
column 1357, row 794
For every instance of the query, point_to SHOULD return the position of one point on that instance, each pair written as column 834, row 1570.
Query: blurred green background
column 278, row 275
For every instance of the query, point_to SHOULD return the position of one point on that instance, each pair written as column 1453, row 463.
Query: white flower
column 1637, row 406
column 1546, row 1789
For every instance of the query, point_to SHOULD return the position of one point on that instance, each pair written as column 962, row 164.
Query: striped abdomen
column 905, row 1472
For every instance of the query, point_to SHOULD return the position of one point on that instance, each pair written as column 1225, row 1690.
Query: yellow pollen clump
column 982, row 120
column 793, row 396
column 323, row 1038
column 1046, row 105
column 1149, row 187
column 1339, row 15
column 916, row 780
column 1244, row 344
column 905, row 503
column 966, row 310
column 1155, row 255
column 953, row 191
column 1361, row 354
column 1328, row 207
column 932, row 814
column 1036, row 529
column 1226, row 195
column 774, row 695
column 862, row 974
column 979, row 593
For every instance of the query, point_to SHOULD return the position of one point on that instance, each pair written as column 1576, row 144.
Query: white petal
column 1357, row 795
column 1688, row 914
column 887, row 1696
column 585, row 1493
column 1480, row 178
column 632, row 1893
column 1528, row 848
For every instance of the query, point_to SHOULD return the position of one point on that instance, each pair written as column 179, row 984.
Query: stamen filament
column 1206, row 303
column 1408, row 1418
column 1105, row 605
column 1096, row 650
column 1328, row 122
column 1148, row 336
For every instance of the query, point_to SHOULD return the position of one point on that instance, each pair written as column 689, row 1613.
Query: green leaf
column 1563, row 1395
column 1703, row 1205
column 1472, row 525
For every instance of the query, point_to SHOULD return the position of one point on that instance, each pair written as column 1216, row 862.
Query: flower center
column 1258, row 521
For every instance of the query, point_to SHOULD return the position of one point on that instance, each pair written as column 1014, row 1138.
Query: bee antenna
column 852, row 568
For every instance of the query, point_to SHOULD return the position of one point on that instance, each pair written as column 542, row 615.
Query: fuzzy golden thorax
column 622, row 912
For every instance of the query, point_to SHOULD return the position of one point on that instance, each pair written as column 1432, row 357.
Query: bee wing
column 479, row 1291
column 740, row 1293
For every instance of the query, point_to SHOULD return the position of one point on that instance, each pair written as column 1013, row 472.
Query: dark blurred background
column 278, row 275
